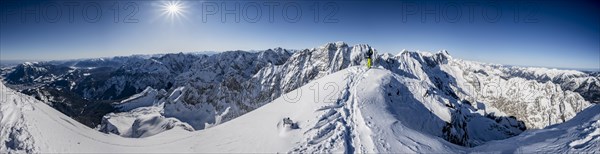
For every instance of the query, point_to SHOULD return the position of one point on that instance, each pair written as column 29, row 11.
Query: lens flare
column 173, row 9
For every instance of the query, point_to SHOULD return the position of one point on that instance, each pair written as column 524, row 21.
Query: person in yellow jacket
column 369, row 55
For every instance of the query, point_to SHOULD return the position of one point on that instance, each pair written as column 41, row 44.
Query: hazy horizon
column 20, row 61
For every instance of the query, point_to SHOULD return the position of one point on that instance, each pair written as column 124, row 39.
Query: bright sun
column 173, row 9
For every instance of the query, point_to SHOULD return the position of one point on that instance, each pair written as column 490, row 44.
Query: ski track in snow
column 360, row 133
column 335, row 117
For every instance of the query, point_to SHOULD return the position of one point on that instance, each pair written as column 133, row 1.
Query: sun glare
column 173, row 9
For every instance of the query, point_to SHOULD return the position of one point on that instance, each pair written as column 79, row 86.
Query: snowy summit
column 319, row 100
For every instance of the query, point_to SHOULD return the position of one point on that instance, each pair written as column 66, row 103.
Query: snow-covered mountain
column 102, row 85
column 28, row 73
column 462, row 102
column 538, row 104
column 587, row 85
column 359, row 116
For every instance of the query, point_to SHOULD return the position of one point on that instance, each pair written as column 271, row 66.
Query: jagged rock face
column 238, row 96
column 306, row 65
column 587, row 85
column 103, row 84
column 30, row 73
column 538, row 104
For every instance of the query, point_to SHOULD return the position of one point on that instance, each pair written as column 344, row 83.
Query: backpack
column 369, row 53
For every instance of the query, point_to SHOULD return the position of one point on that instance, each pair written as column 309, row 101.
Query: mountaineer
column 368, row 55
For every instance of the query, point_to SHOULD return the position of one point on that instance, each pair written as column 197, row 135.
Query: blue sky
column 541, row 33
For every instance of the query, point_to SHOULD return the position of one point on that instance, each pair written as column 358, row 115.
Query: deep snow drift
column 356, row 110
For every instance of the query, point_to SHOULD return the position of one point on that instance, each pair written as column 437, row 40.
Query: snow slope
column 31, row 126
column 578, row 135
column 52, row 131
column 353, row 112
